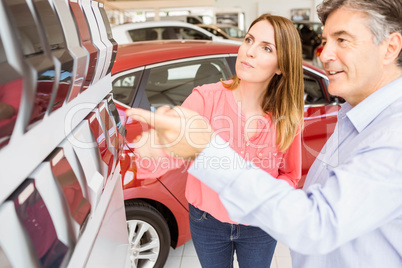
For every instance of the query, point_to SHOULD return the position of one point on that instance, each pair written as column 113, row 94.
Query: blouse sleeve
column 195, row 102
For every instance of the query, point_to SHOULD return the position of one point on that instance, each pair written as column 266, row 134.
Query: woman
column 259, row 113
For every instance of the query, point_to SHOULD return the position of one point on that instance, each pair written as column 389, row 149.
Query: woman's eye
column 267, row 49
column 248, row 40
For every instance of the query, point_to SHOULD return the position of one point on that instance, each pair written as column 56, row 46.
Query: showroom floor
column 185, row 257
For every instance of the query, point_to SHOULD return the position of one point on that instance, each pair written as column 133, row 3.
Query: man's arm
column 316, row 220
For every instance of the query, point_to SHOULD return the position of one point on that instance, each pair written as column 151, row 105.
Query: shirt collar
column 366, row 111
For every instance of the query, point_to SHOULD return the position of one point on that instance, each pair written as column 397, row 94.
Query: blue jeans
column 215, row 242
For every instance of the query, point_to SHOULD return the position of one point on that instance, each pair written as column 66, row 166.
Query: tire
column 148, row 234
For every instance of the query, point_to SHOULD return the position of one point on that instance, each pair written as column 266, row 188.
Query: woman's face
column 257, row 60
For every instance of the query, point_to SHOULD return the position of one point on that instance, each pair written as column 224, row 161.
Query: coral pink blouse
column 218, row 105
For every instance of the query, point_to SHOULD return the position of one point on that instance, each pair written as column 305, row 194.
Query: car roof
column 218, row 25
column 123, row 28
column 151, row 24
column 138, row 54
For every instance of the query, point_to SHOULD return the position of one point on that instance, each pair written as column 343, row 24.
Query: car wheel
column 148, row 235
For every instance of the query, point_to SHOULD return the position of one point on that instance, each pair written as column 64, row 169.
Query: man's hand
column 181, row 132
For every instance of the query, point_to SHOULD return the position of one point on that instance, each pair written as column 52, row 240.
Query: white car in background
column 162, row 30
column 225, row 31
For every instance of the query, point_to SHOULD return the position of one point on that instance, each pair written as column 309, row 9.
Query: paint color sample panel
column 107, row 156
column 73, row 41
column 35, row 217
column 109, row 34
column 11, row 87
column 58, row 48
column 41, row 65
column 85, row 36
column 5, row 263
column 79, row 206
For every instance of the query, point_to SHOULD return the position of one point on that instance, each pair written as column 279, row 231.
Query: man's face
column 352, row 61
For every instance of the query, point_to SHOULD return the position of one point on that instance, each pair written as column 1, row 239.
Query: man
column 349, row 213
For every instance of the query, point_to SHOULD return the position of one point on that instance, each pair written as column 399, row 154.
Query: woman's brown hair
column 283, row 99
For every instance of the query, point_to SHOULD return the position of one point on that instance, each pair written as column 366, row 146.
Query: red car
column 152, row 74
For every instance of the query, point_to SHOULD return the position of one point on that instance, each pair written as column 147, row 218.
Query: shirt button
column 242, row 152
column 247, row 143
column 260, row 154
column 275, row 154
column 324, row 164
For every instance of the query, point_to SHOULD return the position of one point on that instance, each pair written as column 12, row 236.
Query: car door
column 125, row 85
column 167, row 83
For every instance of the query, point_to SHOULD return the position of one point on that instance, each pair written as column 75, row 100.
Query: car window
column 171, row 84
column 193, row 20
column 124, row 87
column 146, row 34
column 188, row 33
column 313, row 93
column 166, row 33
column 215, row 32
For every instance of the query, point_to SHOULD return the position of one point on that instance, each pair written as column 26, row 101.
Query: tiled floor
column 185, row 257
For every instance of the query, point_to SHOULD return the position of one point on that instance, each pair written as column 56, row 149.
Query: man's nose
column 328, row 53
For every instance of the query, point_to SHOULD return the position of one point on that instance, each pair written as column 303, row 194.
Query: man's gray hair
column 384, row 16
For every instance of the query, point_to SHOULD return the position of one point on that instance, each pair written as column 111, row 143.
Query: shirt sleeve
column 316, row 220
column 290, row 171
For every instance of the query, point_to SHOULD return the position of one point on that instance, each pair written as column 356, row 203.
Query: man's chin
column 334, row 90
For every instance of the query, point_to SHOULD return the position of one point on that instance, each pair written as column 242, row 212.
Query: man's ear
column 394, row 47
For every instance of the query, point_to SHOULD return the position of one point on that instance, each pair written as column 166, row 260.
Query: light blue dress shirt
column 349, row 213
